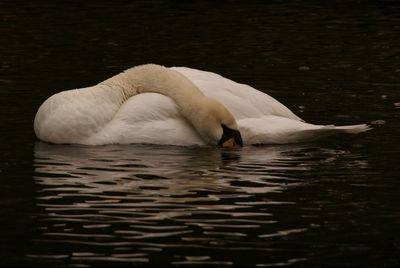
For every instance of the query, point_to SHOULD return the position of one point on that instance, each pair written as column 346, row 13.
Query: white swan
column 176, row 106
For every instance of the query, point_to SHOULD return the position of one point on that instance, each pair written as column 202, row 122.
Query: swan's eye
column 230, row 138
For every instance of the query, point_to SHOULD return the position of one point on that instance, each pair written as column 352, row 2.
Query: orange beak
column 229, row 143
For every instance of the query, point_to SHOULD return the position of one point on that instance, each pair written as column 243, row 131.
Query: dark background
column 336, row 62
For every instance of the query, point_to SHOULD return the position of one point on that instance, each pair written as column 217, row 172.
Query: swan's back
column 241, row 100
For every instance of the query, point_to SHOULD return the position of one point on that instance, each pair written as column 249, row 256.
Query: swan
column 153, row 104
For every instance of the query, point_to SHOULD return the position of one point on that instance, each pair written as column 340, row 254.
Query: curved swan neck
column 206, row 115
column 157, row 79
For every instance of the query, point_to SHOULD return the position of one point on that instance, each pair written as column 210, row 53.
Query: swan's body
column 120, row 111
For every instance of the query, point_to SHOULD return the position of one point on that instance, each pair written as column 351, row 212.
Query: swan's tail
column 327, row 130
column 353, row 129
column 280, row 130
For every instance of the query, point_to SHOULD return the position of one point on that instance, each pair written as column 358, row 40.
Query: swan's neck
column 157, row 79
column 198, row 109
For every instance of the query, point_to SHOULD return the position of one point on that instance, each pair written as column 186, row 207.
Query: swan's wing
column 147, row 118
column 242, row 100
column 95, row 116
column 280, row 130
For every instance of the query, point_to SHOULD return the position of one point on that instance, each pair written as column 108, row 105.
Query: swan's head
column 217, row 125
column 230, row 137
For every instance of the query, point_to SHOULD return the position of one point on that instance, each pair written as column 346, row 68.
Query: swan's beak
column 229, row 143
column 230, row 138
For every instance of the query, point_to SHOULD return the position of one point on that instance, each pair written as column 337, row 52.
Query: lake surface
column 330, row 203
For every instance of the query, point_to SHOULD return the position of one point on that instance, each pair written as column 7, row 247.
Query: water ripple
column 129, row 203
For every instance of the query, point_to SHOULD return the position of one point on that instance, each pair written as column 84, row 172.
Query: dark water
column 332, row 203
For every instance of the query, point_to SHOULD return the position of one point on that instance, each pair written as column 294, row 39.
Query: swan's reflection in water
column 159, row 204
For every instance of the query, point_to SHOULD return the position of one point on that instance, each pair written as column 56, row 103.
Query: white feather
column 100, row 115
